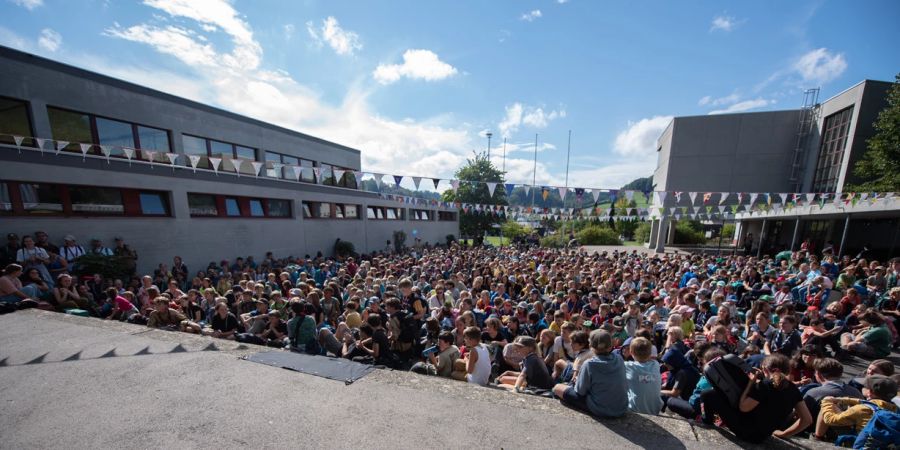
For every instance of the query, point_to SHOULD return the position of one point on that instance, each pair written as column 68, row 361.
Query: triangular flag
column 455, row 184
column 707, row 197
column 18, row 140
column 677, row 196
column 61, row 145
column 128, row 152
column 237, row 162
column 85, row 148
column 509, row 189
column 596, row 193
column 693, row 196
column 277, row 168
column 783, row 198
column 106, row 150
column 436, row 182
column 151, row 155
column 398, row 179
column 256, row 166
column 40, row 144
column 661, row 197
column 810, row 198
column 416, row 181
column 629, row 195
column 723, row 197
column 317, row 172
column 338, row 175
column 491, row 186
column 172, row 158
column 562, row 193
column 194, row 160
column 215, row 164
column 357, row 175
column 753, row 198
column 379, row 179
column 545, row 193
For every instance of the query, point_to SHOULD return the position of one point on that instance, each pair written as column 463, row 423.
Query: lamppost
column 489, row 134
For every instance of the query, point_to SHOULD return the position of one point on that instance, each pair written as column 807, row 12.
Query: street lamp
column 489, row 134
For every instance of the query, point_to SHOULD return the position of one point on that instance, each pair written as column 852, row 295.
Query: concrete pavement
column 71, row 382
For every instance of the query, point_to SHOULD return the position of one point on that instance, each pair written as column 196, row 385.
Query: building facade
column 808, row 150
column 96, row 157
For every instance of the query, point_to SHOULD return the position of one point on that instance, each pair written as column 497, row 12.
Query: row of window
column 43, row 199
column 50, row 199
column 76, row 128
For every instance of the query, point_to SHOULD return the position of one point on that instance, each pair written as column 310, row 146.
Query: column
column 654, row 232
column 762, row 235
column 844, row 236
column 660, row 244
column 796, row 230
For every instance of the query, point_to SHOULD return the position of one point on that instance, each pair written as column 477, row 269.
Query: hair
column 641, row 349
column 581, row 337
column 779, row 366
column 472, row 333
column 392, row 302
column 677, row 331
column 112, row 292
column 829, row 368
column 601, row 342
column 559, row 314
column 568, row 326
column 367, row 329
column 12, row 268
column 790, row 319
column 872, row 318
column 883, row 366
column 494, row 323
column 712, row 353
column 405, row 283
column 446, row 337
column 374, row 320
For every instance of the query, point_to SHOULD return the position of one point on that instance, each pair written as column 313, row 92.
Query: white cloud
column 288, row 31
column 613, row 174
column 639, row 139
column 342, row 41
column 820, row 66
column 518, row 114
column 432, row 146
column 745, row 105
column 49, row 40
column 562, row 1
column 726, row 100
column 723, row 23
column 29, row 4
column 417, row 65
column 531, row 15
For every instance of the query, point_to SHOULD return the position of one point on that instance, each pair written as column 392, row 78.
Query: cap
column 560, row 294
column 883, row 387
column 522, row 305
column 812, row 308
column 12, row 236
column 766, row 298
column 69, row 237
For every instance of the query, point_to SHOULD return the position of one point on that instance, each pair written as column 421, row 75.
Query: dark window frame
column 130, row 201
column 244, row 208
column 95, row 136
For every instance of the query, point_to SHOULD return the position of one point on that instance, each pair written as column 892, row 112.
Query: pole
column 489, row 145
column 844, row 235
column 796, row 230
column 762, row 235
column 534, row 173
column 504, row 156
column 568, row 151
column 719, row 246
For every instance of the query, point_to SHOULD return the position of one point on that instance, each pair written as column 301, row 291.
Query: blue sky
column 415, row 85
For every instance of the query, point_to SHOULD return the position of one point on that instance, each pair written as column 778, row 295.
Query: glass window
column 279, row 208
column 256, row 208
column 5, row 200
column 391, row 214
column 248, row 154
column 338, row 211
column 325, row 210
column 272, row 158
column 307, row 175
column 14, row 120
column 306, row 211
column 327, row 174
column 71, row 127
column 379, row 213
column 116, row 134
column 288, row 171
column 222, row 150
column 40, row 198
column 154, row 139
column 351, row 211
column 96, row 200
column 154, row 204
column 202, row 205
column 370, row 212
column 196, row 146
column 232, row 208
column 831, row 151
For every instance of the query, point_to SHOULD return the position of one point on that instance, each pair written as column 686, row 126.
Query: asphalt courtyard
column 77, row 383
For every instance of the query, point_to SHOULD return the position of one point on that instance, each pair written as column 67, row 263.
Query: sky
column 416, row 86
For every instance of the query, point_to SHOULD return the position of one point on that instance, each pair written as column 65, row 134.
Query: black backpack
column 728, row 375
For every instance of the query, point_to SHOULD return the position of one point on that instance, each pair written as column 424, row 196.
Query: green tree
column 879, row 168
column 512, row 229
column 472, row 189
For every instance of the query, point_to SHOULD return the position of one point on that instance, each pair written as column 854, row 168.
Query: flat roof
column 50, row 64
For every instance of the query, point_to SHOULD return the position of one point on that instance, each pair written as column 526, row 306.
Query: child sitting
column 533, row 373
column 644, row 380
column 600, row 388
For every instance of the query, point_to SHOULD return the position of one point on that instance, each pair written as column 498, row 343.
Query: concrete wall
column 748, row 152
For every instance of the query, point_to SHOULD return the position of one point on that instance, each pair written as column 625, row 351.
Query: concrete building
column 808, row 150
column 291, row 194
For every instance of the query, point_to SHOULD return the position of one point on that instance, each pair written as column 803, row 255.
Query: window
column 202, row 205
column 222, row 150
column 286, row 171
column 289, row 163
column 338, row 211
column 153, row 204
column 831, row 152
column 391, row 214
column 307, row 210
column 351, row 211
column 271, row 159
column 154, row 139
column 14, row 121
column 279, row 208
column 232, row 207
column 370, row 212
column 307, row 174
column 40, row 198
column 115, row 133
column 446, row 216
column 256, row 208
column 71, row 127
column 420, row 214
column 96, row 200
column 5, row 199
column 196, row 146
column 324, row 211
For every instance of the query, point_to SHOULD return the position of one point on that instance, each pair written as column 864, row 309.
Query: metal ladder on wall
column 809, row 114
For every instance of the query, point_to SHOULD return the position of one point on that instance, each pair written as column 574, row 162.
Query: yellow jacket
column 855, row 415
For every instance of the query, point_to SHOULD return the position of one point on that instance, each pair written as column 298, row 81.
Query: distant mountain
column 641, row 184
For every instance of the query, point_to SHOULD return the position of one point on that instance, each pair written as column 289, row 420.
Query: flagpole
column 568, row 150
column 534, row 173
column 504, row 156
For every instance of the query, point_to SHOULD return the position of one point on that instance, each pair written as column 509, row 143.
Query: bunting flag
column 357, row 177
column 693, row 196
column 454, row 184
column 129, row 153
column 236, row 162
column 740, row 196
column 151, row 155
column 339, row 175
column 509, row 189
column 677, row 196
column 416, row 181
column 613, row 195
column 810, row 198
column 436, row 182
column 398, row 179
column 317, row 174
column 85, row 148
column 527, row 189
column 596, row 193
column 215, row 163
column 661, row 198
column 706, row 197
column 106, row 150
column 723, row 196
column 40, row 144
column 545, row 192
column 18, row 140
column 194, row 160
column 256, row 166
column 753, row 196
column 277, row 168
column 491, row 186
column 61, row 145
column 629, row 195
column 172, row 158
column 562, row 193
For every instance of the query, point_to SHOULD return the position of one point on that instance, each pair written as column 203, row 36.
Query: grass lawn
column 493, row 240
column 633, row 244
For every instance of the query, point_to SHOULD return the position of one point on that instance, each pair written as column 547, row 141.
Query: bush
column 597, row 235
column 344, row 248
column 642, row 233
column 687, row 232
column 558, row 240
column 512, row 230
column 727, row 231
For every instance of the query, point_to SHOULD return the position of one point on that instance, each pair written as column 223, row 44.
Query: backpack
column 728, row 376
column 882, row 431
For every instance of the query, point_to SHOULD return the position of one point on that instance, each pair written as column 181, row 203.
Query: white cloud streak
column 723, row 23
column 820, row 66
column 417, row 64
column 342, row 41
column 516, row 115
column 49, row 40
column 531, row 16
column 639, row 139
column 745, row 105
column 29, row 4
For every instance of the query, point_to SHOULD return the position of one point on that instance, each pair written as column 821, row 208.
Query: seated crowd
column 606, row 333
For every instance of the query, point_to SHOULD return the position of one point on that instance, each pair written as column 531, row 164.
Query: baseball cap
column 69, row 237
column 883, row 387
column 522, row 305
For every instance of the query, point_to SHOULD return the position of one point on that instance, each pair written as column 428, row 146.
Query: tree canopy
column 479, row 170
column 879, row 168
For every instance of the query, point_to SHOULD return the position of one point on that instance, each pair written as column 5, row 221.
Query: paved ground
column 73, row 383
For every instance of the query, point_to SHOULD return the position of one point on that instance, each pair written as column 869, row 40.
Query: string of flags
column 587, row 201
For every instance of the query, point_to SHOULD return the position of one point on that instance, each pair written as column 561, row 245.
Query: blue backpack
column 882, row 431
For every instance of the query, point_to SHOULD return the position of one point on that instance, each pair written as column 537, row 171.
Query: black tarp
column 320, row 366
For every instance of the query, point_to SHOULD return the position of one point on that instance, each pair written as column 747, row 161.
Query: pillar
column 796, row 230
column 844, row 236
column 659, row 245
